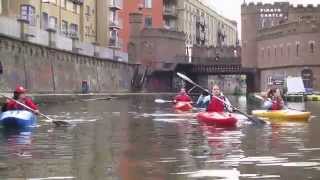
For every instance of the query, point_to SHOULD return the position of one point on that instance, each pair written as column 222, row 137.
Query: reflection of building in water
column 282, row 40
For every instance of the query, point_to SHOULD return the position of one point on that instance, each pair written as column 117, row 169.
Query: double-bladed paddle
column 253, row 119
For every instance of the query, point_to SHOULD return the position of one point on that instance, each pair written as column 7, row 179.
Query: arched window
column 1, row 68
column 312, row 47
column 297, row 48
column 307, row 76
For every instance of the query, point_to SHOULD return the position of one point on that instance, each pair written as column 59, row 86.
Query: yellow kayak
column 286, row 115
column 313, row 97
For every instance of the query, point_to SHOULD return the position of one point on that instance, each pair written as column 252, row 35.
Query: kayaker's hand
column 235, row 109
column 36, row 112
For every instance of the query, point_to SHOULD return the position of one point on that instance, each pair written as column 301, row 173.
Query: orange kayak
column 183, row 106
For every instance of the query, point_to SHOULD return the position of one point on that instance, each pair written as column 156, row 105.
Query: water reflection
column 136, row 139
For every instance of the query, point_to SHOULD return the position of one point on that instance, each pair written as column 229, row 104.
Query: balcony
column 115, row 4
column 170, row 12
column 115, row 43
column 115, row 24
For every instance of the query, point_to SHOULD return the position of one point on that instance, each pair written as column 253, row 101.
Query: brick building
column 282, row 40
column 152, row 17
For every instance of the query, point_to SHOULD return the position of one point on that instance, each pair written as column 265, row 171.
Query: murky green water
column 136, row 139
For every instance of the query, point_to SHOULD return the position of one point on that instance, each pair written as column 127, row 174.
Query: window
column 288, row 50
column 148, row 3
column 64, row 3
column 64, row 28
column 52, row 22
column 297, row 49
column 88, row 10
column 1, row 68
column 74, row 8
column 275, row 51
column 74, row 28
column 28, row 13
column 45, row 20
column 268, row 52
column 148, row 22
column 311, row 47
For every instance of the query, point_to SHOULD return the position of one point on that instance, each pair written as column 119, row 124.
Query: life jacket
column 215, row 105
column 276, row 105
column 12, row 105
column 182, row 98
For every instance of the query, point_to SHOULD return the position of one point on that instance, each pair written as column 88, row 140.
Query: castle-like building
column 282, row 40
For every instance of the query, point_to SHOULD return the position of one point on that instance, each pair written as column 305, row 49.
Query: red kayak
column 217, row 119
column 183, row 106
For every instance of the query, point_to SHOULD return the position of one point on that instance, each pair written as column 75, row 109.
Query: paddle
column 262, row 99
column 253, row 119
column 161, row 101
column 56, row 122
column 191, row 89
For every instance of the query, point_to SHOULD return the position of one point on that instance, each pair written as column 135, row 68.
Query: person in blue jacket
column 203, row 100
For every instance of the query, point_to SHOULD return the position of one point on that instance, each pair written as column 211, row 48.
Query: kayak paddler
column 203, row 99
column 216, row 105
column 182, row 96
column 19, row 94
column 273, row 99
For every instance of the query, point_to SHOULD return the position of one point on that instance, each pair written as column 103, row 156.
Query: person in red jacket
column 20, row 95
column 217, row 105
column 277, row 101
column 273, row 100
column 182, row 96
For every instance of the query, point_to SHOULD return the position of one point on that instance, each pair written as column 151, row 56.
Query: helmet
column 20, row 89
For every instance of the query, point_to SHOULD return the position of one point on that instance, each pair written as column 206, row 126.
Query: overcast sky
column 231, row 8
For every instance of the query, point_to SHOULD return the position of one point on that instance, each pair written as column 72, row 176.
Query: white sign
column 295, row 85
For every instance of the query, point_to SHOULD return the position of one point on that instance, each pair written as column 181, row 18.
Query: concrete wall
column 43, row 69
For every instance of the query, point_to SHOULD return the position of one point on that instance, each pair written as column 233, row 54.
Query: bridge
column 162, row 74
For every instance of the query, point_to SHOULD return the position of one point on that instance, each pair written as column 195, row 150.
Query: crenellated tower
column 255, row 17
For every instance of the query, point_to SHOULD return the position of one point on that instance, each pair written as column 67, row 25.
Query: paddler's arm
column 228, row 105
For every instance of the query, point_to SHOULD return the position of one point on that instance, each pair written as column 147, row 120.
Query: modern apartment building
column 85, row 20
column 201, row 24
column 115, row 23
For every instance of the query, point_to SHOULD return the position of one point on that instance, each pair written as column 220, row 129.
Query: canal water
column 137, row 139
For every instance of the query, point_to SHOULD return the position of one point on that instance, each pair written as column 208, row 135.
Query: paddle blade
column 258, row 97
column 160, row 101
column 257, row 121
column 61, row 123
column 184, row 77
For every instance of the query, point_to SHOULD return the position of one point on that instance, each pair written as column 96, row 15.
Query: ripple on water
column 222, row 174
column 52, row 178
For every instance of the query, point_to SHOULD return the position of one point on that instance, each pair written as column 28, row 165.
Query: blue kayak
column 18, row 119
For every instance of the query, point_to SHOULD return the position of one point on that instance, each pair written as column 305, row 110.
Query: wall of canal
column 42, row 69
